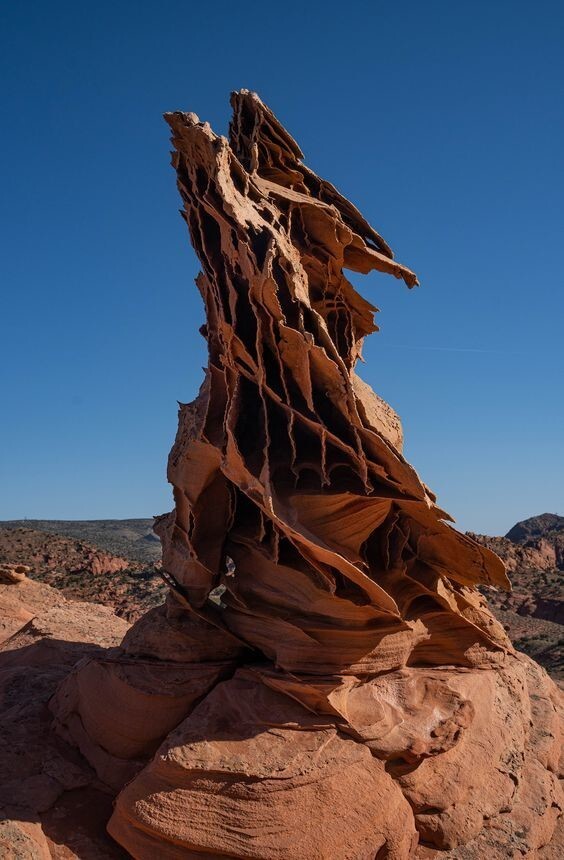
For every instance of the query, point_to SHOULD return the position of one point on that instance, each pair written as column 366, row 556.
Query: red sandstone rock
column 325, row 680
column 44, row 636
column 252, row 774
column 538, row 555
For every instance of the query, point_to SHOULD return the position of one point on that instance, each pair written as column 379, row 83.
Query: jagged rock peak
column 324, row 648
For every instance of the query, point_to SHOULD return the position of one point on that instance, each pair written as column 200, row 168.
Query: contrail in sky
column 456, row 349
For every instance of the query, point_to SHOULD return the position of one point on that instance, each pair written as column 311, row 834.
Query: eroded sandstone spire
column 341, row 694
column 286, row 463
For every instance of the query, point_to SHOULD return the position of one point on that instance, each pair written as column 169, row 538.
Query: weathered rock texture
column 51, row 803
column 325, row 680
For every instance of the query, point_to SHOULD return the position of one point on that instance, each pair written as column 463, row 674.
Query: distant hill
column 132, row 539
column 533, row 612
column 543, row 526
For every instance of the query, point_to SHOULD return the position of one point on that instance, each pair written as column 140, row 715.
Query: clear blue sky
column 442, row 121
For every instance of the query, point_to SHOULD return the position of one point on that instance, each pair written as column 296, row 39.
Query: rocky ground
column 132, row 539
column 533, row 612
column 130, row 586
column 52, row 804
column 52, row 807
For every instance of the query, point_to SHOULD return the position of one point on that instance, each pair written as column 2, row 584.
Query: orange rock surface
column 324, row 681
column 52, row 806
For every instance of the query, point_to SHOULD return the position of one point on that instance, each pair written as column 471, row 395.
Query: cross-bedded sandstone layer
column 325, row 680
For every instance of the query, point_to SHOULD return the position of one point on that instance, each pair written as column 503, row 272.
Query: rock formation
column 52, row 806
column 533, row 611
column 46, row 553
column 84, row 572
column 131, row 539
column 325, row 681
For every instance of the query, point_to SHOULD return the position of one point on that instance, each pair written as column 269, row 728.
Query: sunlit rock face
column 324, row 681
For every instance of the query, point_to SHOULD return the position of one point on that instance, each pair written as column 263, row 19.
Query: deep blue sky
column 442, row 121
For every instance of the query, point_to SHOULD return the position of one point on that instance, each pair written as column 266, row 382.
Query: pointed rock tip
column 178, row 117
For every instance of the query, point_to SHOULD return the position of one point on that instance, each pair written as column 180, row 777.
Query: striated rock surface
column 325, row 679
column 52, row 806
